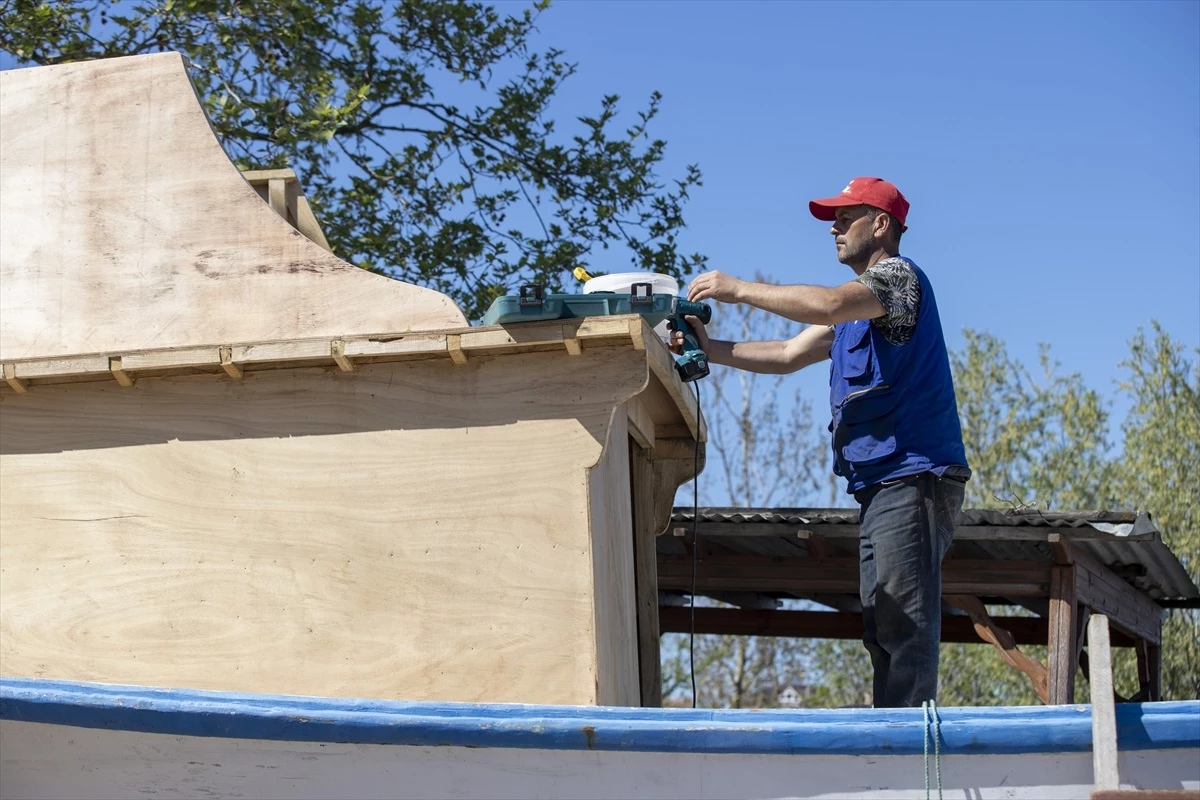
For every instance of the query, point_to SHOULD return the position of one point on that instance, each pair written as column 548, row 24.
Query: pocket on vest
column 869, row 427
column 857, row 366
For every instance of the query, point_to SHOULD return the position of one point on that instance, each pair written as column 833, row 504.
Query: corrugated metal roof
column 1127, row 542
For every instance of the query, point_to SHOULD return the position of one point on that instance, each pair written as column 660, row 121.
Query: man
column 896, row 434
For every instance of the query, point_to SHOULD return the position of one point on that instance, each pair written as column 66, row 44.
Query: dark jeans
column 906, row 527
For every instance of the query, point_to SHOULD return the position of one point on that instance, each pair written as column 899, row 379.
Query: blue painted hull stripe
column 186, row 712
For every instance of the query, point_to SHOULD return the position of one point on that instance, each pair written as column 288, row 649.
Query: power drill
column 692, row 364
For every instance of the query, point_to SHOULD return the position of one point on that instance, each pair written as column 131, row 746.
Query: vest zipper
column 860, row 392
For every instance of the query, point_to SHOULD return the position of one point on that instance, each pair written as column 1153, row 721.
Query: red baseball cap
column 875, row 192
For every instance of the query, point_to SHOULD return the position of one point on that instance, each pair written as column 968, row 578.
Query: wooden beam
column 118, row 371
column 277, row 196
column 1012, row 533
column 358, row 349
column 10, row 377
column 982, row 577
column 454, row 347
column 1149, row 664
column 819, row 624
column 1100, row 589
column 1061, row 650
column 231, row 369
column 989, row 631
column 337, row 349
column 263, row 176
column 837, row 625
column 1104, row 719
column 641, row 480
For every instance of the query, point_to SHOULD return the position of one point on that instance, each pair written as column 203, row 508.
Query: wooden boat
column 64, row 739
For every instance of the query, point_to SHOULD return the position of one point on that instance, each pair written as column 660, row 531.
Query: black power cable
column 695, row 543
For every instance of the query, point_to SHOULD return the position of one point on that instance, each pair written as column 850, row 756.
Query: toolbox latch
column 532, row 295
column 641, row 294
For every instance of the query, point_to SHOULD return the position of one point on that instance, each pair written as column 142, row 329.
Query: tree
column 1044, row 445
column 1157, row 473
column 765, row 446
column 421, row 130
column 1031, row 443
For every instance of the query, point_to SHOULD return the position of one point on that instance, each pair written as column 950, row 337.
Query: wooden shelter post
column 1061, row 647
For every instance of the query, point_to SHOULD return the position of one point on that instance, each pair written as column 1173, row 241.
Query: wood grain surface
column 407, row 530
column 124, row 226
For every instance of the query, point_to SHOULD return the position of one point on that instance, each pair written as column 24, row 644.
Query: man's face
column 854, row 235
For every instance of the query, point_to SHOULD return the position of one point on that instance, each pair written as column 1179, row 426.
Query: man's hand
column 676, row 343
column 715, row 286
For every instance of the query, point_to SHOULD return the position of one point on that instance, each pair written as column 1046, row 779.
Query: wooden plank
column 1004, row 642
column 1102, row 590
column 203, row 542
column 338, row 351
column 283, row 351
column 662, row 367
column 837, row 625
column 265, row 176
column 599, row 328
column 300, row 213
column 454, row 348
column 291, row 193
column 1104, row 719
column 277, row 196
column 498, row 338
column 825, row 624
column 116, row 367
column 610, row 517
column 168, row 227
column 1105, row 593
column 307, row 223
column 232, row 369
column 641, row 425
column 641, row 478
column 1152, row 659
column 676, row 461
column 175, row 358
column 399, row 344
column 10, row 377
column 67, row 366
column 1014, row 533
column 984, row 577
column 1061, row 651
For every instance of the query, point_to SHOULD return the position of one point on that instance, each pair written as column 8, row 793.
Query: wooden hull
column 91, row 741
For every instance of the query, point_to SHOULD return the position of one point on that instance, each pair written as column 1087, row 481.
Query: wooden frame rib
column 346, row 352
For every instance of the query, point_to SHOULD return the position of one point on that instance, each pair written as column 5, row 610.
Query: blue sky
column 1051, row 151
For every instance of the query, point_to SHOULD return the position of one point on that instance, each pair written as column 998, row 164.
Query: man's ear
column 881, row 226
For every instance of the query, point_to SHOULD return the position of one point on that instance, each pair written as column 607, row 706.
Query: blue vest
column 893, row 407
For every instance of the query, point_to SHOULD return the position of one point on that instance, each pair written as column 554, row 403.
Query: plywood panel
column 124, row 226
column 645, row 560
column 611, row 514
column 407, row 530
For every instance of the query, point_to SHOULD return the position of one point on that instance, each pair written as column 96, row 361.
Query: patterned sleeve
column 895, row 286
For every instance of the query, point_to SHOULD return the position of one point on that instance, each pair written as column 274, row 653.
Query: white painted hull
column 55, row 761
column 134, row 742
